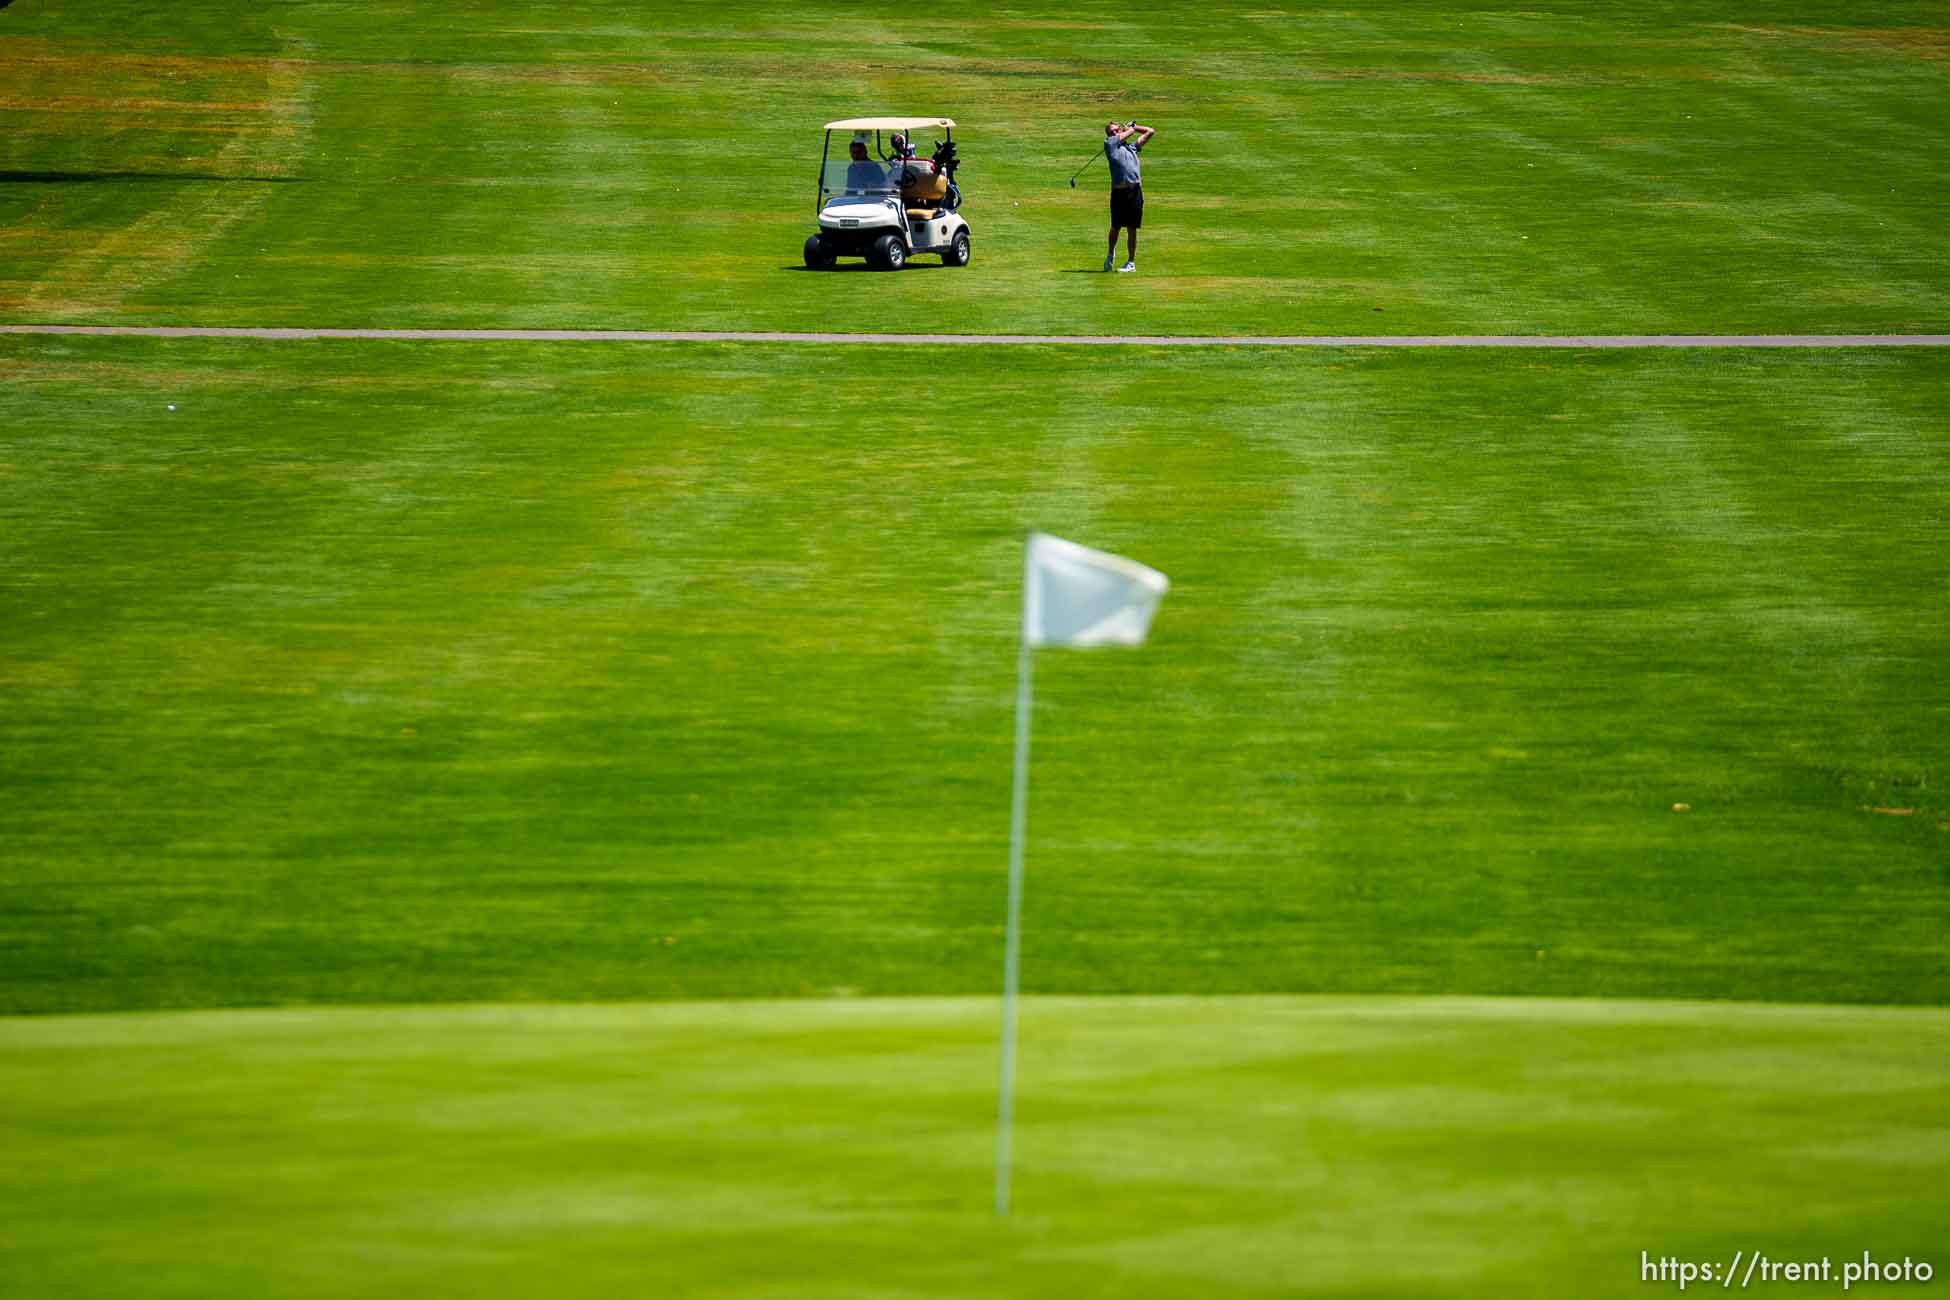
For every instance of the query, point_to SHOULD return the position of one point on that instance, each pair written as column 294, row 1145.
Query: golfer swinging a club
column 1121, row 145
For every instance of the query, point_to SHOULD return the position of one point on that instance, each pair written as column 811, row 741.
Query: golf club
column 1093, row 158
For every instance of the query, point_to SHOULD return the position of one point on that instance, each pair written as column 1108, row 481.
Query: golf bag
column 946, row 161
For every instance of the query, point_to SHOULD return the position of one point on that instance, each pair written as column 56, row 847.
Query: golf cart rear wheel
column 956, row 254
column 888, row 253
column 818, row 256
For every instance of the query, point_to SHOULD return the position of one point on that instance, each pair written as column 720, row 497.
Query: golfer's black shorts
column 1127, row 207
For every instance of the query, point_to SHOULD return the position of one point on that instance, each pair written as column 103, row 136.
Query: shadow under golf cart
column 849, row 268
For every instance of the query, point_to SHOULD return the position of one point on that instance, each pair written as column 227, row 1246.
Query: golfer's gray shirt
column 1123, row 161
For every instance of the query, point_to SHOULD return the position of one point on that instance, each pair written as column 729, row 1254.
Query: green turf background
column 385, row 672
column 380, row 673
column 1392, row 168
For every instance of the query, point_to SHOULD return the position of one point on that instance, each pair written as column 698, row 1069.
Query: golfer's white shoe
column 1107, row 261
column 1128, row 266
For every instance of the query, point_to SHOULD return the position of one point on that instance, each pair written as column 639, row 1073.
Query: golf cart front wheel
column 818, row 256
column 888, row 253
column 956, row 254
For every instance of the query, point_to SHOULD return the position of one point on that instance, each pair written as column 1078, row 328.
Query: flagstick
column 1012, row 958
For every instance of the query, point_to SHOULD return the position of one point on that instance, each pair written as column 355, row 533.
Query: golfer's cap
column 861, row 137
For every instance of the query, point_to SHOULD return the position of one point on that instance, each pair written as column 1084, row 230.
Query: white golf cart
column 885, row 204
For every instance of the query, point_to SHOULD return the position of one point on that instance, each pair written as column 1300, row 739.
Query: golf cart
column 884, row 204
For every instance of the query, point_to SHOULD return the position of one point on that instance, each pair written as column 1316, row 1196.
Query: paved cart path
column 1084, row 340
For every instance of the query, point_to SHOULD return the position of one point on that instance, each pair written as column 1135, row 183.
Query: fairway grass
column 1167, row 1147
column 382, row 672
column 1406, row 167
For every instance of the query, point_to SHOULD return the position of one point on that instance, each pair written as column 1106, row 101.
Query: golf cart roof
column 888, row 123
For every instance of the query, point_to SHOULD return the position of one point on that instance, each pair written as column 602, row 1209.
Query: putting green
column 1167, row 1147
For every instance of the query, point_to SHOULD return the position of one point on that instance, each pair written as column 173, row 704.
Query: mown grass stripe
column 1575, row 341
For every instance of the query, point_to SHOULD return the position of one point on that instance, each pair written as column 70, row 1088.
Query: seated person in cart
column 863, row 173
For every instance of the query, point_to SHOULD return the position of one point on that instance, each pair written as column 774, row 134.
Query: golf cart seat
column 923, row 214
column 921, row 180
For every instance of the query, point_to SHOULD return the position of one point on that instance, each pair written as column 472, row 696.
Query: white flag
column 1075, row 596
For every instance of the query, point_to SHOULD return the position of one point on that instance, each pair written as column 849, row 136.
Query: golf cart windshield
column 845, row 176
column 858, row 160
